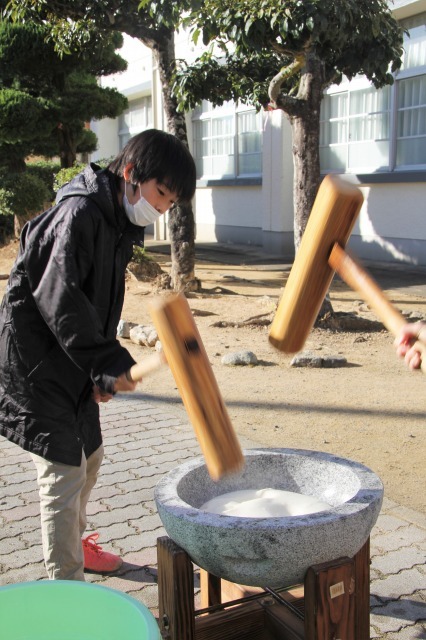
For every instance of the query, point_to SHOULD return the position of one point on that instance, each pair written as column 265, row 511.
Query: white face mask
column 141, row 213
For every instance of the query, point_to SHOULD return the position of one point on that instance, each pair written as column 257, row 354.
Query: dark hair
column 158, row 155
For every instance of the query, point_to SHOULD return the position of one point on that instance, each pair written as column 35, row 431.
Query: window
column 135, row 119
column 364, row 129
column 227, row 141
column 411, row 125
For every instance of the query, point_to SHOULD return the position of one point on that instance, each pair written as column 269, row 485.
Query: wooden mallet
column 332, row 218
column 190, row 366
column 321, row 253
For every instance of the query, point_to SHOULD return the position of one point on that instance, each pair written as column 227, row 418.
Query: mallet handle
column 147, row 366
column 359, row 280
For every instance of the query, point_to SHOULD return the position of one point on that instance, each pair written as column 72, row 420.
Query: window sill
column 384, row 177
column 228, row 182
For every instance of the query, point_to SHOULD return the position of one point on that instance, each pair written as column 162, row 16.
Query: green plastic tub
column 71, row 610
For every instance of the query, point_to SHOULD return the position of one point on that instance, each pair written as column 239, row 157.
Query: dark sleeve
column 57, row 261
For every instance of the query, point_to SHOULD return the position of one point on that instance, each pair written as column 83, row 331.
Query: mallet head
column 332, row 218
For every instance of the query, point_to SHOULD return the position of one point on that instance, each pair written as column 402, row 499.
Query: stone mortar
column 273, row 552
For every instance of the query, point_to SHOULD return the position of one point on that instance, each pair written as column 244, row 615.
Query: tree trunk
column 16, row 164
column 182, row 250
column 181, row 221
column 67, row 147
column 18, row 222
column 305, row 136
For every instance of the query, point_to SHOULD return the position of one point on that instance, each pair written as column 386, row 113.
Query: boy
column 59, row 355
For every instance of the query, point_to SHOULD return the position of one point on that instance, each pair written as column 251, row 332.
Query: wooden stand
column 333, row 603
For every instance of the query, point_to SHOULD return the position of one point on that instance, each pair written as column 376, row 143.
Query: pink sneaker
column 97, row 560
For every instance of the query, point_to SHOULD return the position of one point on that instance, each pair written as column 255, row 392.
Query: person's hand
column 123, row 383
column 405, row 343
column 101, row 396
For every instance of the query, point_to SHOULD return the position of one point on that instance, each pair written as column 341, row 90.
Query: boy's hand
column 124, row 384
column 101, row 396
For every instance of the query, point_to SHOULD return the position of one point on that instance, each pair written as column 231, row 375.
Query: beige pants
column 64, row 493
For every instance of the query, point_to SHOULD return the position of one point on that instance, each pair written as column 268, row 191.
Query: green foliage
column 85, row 99
column 22, row 194
column 5, row 202
column 24, row 117
column 66, row 175
column 63, row 176
column 87, row 141
column 140, row 256
column 23, row 53
column 104, row 162
column 243, row 79
column 46, row 98
column 46, row 171
column 347, row 37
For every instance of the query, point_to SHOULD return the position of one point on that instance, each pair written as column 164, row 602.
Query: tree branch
column 277, row 81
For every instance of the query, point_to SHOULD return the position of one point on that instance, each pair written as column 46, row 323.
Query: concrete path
column 143, row 441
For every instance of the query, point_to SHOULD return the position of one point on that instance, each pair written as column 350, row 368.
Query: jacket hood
column 98, row 185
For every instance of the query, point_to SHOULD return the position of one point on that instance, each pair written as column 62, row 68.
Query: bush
column 104, row 162
column 22, row 194
column 66, row 175
column 139, row 255
column 45, row 171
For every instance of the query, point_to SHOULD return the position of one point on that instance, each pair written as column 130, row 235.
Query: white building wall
column 135, row 82
column 229, row 214
column 391, row 225
column 107, row 133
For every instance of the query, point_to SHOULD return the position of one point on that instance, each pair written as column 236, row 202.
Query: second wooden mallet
column 185, row 354
column 320, row 254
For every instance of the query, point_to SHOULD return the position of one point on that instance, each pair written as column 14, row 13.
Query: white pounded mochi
column 264, row 503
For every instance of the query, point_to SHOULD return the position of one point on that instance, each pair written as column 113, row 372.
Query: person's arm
column 58, row 259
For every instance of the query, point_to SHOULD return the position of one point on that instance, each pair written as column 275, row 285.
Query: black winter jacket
column 59, row 317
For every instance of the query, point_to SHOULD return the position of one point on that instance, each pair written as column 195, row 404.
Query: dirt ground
column 371, row 410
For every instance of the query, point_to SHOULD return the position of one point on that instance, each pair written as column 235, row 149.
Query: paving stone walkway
column 143, row 441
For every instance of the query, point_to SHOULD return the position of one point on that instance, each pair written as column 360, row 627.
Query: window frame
column 127, row 131
column 207, row 113
column 361, row 83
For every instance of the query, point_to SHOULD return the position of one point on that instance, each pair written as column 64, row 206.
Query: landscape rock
column 334, row 361
column 306, row 359
column 145, row 270
column 124, row 327
column 315, row 361
column 239, row 358
column 145, row 335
